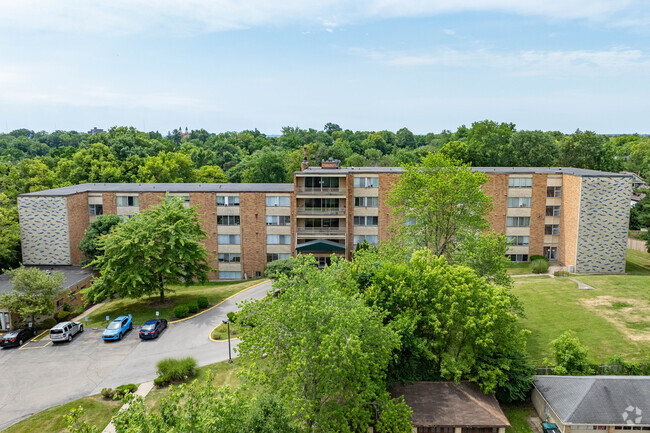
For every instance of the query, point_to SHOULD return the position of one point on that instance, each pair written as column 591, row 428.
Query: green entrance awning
column 320, row 245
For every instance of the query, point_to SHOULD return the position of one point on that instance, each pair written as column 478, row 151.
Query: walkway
column 142, row 391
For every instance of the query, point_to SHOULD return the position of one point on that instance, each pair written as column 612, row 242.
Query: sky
column 230, row 65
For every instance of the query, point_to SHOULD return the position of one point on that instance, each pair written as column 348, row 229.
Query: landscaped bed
column 145, row 308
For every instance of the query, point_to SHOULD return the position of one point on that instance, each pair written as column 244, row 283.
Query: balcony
column 320, row 211
column 307, row 232
column 314, row 191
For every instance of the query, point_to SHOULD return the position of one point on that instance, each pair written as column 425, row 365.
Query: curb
column 216, row 305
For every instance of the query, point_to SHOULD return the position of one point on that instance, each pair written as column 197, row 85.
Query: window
column 518, row 240
column 554, row 191
column 366, row 182
column 518, row 222
column 278, row 239
column 227, row 200
column 273, row 200
column 518, row 257
column 278, row 220
column 277, row 256
column 520, row 182
column 223, row 275
column 366, row 220
column 552, row 229
column 550, row 253
column 95, row 209
column 229, row 257
column 125, row 217
column 184, row 198
column 123, row 200
column 228, row 220
column 322, row 222
column 371, row 239
column 366, row 201
column 519, row 202
column 552, row 210
column 321, row 182
column 228, row 239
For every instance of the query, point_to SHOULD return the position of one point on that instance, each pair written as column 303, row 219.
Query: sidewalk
column 142, row 391
column 80, row 317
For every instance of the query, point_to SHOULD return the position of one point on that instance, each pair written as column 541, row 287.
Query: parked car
column 64, row 331
column 549, row 427
column 117, row 328
column 152, row 328
column 17, row 337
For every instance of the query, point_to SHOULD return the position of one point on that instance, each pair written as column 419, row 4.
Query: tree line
column 32, row 161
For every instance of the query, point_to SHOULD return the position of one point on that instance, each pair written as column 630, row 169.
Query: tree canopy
column 33, row 292
column 89, row 244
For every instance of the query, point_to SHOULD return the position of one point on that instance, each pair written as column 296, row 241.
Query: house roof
column 73, row 275
column 164, row 187
column 597, row 400
column 448, row 404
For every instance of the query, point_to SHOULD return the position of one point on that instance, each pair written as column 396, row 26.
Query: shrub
column 176, row 370
column 561, row 274
column 193, row 308
column 202, row 302
column 181, row 311
column 108, row 393
column 570, row 355
column 60, row 316
column 79, row 310
column 280, row 267
column 123, row 390
column 536, row 257
column 67, row 307
column 232, row 317
column 161, row 381
column 47, row 323
column 540, row 266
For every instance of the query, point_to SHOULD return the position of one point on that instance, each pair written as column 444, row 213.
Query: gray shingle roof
column 447, row 404
column 73, row 275
column 165, row 187
column 596, row 400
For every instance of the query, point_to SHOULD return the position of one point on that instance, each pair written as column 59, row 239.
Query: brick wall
column 109, row 202
column 207, row 210
column 78, row 221
column 150, row 199
column 537, row 214
column 386, row 217
column 349, row 215
column 294, row 223
column 497, row 188
column 569, row 215
column 252, row 211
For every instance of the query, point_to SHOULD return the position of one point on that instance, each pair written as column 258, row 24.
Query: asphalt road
column 41, row 375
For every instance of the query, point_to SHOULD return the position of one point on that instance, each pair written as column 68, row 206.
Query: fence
column 636, row 244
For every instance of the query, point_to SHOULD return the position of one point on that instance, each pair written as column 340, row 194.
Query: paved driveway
column 40, row 375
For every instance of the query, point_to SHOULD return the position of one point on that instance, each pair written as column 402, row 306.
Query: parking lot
column 40, row 374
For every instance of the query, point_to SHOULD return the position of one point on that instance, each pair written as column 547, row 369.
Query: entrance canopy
column 320, row 245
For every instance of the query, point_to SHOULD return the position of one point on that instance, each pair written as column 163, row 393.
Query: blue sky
column 228, row 65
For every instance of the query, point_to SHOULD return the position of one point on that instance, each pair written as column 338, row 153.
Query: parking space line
column 24, row 346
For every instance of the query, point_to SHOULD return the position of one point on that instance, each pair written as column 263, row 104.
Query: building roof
column 73, row 275
column 447, row 404
column 164, row 187
column 495, row 170
column 320, row 245
column 596, row 400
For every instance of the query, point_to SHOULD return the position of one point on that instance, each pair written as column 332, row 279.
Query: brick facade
column 386, row 217
column 78, row 221
column 109, row 202
column 207, row 209
column 252, row 211
column 497, row 188
column 569, row 216
column 349, row 216
column 150, row 199
column 537, row 214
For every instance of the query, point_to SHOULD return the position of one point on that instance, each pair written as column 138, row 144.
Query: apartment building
column 576, row 217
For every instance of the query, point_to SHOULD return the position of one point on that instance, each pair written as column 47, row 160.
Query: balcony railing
column 302, row 210
column 317, row 190
column 321, row 231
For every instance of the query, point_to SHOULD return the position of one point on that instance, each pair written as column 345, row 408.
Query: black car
column 152, row 328
column 17, row 337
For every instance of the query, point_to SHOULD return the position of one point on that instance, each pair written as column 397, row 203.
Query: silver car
column 64, row 331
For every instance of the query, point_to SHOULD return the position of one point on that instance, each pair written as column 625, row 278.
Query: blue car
column 117, row 328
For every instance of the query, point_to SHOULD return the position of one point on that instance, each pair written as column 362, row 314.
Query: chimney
column 305, row 163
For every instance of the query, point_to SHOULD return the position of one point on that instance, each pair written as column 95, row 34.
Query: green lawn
column 517, row 414
column 221, row 331
column 144, row 309
column 610, row 320
column 97, row 410
column 520, row 268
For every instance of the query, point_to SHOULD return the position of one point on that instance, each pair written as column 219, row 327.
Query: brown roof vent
column 330, row 163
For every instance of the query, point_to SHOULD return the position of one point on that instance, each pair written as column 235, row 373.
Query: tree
column 326, row 351
column 570, row 355
column 33, row 292
column 489, row 144
column 438, row 201
column 211, row 174
column 583, row 150
column 9, row 234
column 147, row 252
column 485, row 253
column 534, row 149
column 167, row 167
column 454, row 324
column 101, row 226
column 405, row 139
column 265, row 167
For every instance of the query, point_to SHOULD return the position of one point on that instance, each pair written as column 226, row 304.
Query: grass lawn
column 221, row 331
column 613, row 319
column 144, row 309
column 520, row 268
column 517, row 414
column 97, row 410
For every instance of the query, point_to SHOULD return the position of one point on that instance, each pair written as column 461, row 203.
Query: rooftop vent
column 330, row 163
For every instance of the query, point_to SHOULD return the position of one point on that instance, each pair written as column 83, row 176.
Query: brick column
column 252, row 212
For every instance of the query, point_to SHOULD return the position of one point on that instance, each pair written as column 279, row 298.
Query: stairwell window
column 554, row 191
column 95, row 209
column 274, row 200
column 366, row 182
column 366, row 201
column 366, row 220
column 278, row 239
column 229, row 257
column 552, row 229
column 229, row 239
column 278, row 220
column 518, row 222
column 271, row 257
column 552, row 210
column 518, row 240
column 227, row 200
column 371, row 239
column 228, row 220
column 519, row 202
column 126, row 200
column 520, row 182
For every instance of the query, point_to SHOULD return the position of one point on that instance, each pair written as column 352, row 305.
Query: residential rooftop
column 492, row 170
column 73, row 275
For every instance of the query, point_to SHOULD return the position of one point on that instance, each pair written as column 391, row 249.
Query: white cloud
column 528, row 62
column 449, row 32
column 197, row 16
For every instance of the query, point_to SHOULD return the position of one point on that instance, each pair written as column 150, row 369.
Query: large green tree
column 89, row 244
column 322, row 348
column 9, row 234
column 147, row 252
column 33, row 292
